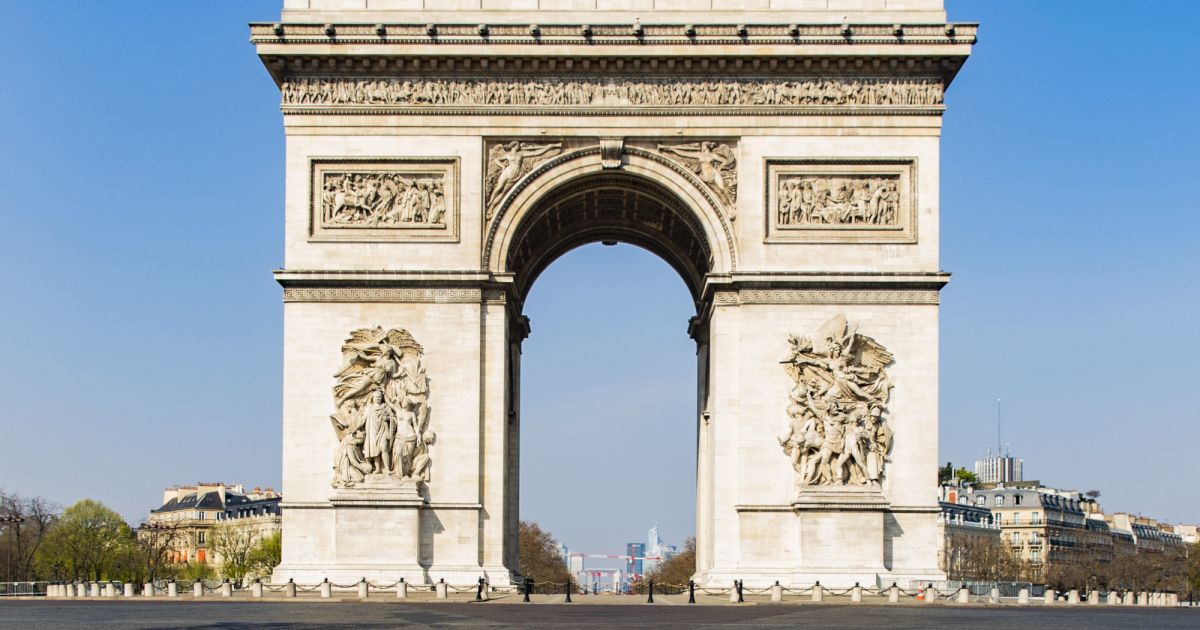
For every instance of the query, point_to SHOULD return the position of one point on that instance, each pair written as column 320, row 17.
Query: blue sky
column 142, row 168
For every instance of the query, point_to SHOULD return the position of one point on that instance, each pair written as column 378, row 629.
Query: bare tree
column 233, row 542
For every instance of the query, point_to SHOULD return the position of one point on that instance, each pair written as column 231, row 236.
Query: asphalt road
column 297, row 615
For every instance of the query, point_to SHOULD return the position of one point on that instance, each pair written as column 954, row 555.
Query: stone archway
column 789, row 173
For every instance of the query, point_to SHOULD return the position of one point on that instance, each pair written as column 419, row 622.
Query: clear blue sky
column 141, row 166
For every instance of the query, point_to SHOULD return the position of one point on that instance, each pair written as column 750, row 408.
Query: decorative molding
column 384, row 199
column 714, row 163
column 825, row 296
column 382, row 294
column 507, row 162
column 841, row 200
column 567, row 94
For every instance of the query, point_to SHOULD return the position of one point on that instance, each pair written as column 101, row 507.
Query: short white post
column 148, row 589
column 442, row 589
column 818, row 592
column 1093, row 598
column 1143, row 598
column 289, row 589
column 68, row 590
column 172, row 589
column 1073, row 596
column 856, row 593
column 894, row 593
column 994, row 595
column 95, row 589
column 364, row 589
column 1112, row 599
column 776, row 592
column 129, row 589
column 1049, row 597
column 1129, row 599
column 197, row 589
column 110, row 590
column 402, row 589
column 964, row 595
column 733, row 593
column 326, row 589
column 226, row 589
column 1023, row 596
column 256, row 589
column 931, row 594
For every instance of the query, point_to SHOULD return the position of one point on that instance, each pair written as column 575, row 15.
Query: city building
column 193, row 511
column 635, row 565
column 999, row 469
column 962, row 526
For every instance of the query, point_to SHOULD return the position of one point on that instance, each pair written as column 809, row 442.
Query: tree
column 89, row 541
column 945, row 473
column 156, row 540
column 233, row 542
column 22, row 540
column 539, row 557
column 266, row 555
column 1194, row 568
column 1092, row 495
column 948, row 474
column 979, row 557
column 678, row 569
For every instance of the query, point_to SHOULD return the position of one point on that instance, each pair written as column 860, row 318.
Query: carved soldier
column 378, row 432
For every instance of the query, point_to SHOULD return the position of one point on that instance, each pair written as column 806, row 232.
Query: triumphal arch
column 781, row 155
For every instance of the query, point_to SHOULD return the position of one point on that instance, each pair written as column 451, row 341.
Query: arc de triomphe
column 781, row 155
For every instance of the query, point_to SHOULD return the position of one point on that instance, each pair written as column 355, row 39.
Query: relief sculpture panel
column 386, row 199
column 836, row 201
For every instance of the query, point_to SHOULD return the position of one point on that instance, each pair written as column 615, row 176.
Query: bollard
column 364, row 589
column 172, row 589
column 1143, row 599
column 650, row 596
column 1129, row 599
column 893, row 593
column 256, row 589
column 109, row 591
column 856, row 593
column 479, row 591
column 964, row 595
column 68, row 590
column 818, row 592
column 129, row 589
column 739, row 591
column 289, row 589
column 148, row 589
column 691, row 591
column 402, row 589
column 441, row 589
column 226, row 588
column 197, row 589
column 528, row 587
column 733, row 593
column 486, row 587
column 1049, row 597
column 94, row 589
column 568, row 590
column 931, row 594
column 994, row 596
column 776, row 592
column 1023, row 596
column 326, row 589
column 1093, row 597
column 1112, row 599
column 1073, row 596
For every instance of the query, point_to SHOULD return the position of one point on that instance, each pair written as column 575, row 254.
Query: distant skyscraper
column 634, row 565
column 999, row 469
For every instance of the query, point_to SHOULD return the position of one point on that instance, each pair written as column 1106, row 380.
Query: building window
column 200, row 538
column 979, row 501
column 999, row 501
column 1016, row 518
column 1017, row 500
column 1035, row 555
column 1016, row 538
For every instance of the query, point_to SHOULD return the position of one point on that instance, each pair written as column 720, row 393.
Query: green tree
column 89, row 541
column 233, row 542
column 22, row 540
column 675, row 571
column 539, row 558
column 266, row 555
column 945, row 473
column 966, row 476
column 1194, row 568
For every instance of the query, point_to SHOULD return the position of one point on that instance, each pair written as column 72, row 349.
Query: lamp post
column 15, row 520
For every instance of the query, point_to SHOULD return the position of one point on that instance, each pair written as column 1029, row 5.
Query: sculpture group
column 839, row 200
column 837, row 434
column 382, row 419
column 383, row 199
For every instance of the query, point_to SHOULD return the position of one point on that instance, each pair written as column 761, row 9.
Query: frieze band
column 829, row 296
column 384, row 294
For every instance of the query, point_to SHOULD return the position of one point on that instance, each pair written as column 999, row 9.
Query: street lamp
column 15, row 520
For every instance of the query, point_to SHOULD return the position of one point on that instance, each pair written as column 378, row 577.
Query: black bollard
column 528, row 587
column 568, row 591
column 739, row 589
column 479, row 591
column 650, row 598
column 691, row 591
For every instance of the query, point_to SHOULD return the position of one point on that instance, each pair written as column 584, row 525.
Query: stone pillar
column 256, row 589
column 289, row 589
column 1073, row 596
column 197, row 589
column 402, row 590
column 442, row 590
column 172, row 589
column 733, row 593
column 1023, row 596
column 326, row 589
column 994, row 596
column 68, row 590
column 148, row 589
column 1143, row 598
column 1129, row 599
column 110, row 590
column 1049, row 597
column 894, row 594
column 931, row 594
column 226, row 589
column 776, row 593
column 129, row 589
column 856, row 593
column 1093, row 597
column 818, row 592
column 364, row 589
column 964, row 595
column 1112, row 599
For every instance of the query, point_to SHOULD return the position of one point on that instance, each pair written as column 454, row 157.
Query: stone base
column 841, row 534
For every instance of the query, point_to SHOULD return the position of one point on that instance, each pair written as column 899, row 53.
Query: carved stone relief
column 837, row 434
column 508, row 162
column 713, row 162
column 605, row 92
column 381, row 397
column 870, row 200
column 405, row 199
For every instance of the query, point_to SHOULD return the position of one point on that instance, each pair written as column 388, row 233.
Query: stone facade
column 666, row 125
